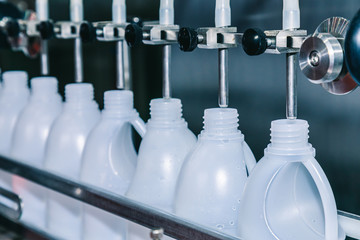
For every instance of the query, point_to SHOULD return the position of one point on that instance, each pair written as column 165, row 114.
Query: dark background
column 257, row 84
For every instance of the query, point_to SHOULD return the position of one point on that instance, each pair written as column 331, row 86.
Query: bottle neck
column 44, row 89
column 166, row 113
column 15, row 82
column 119, row 104
column 80, row 96
column 222, row 124
column 290, row 137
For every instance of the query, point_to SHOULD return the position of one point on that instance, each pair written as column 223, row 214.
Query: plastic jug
column 162, row 152
column 288, row 196
column 13, row 98
column 63, row 156
column 212, row 180
column 28, row 146
column 109, row 162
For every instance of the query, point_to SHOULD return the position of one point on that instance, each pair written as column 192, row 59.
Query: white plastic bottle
column 28, row 146
column 109, row 162
column 63, row 156
column 212, row 180
column 14, row 97
column 288, row 196
column 162, row 152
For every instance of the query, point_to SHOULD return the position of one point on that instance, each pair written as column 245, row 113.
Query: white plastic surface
column 119, row 11
column 76, row 10
column 222, row 13
column 28, row 146
column 350, row 226
column 166, row 12
column 109, row 163
column 13, row 98
column 291, row 14
column 161, row 155
column 211, row 182
column 63, row 156
column 42, row 9
column 288, row 196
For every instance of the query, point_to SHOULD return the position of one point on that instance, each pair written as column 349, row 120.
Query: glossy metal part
column 155, row 34
column 223, row 78
column 166, row 71
column 218, row 37
column 291, row 86
column 322, row 57
column 10, row 204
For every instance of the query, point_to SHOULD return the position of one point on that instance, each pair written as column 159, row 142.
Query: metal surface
column 157, row 234
column 218, row 37
column 223, row 78
column 291, row 86
column 121, row 206
column 350, row 223
column 285, row 41
column 120, row 81
column 79, row 75
column 337, row 79
column 10, row 204
column 321, row 58
column 166, row 71
column 44, row 58
column 154, row 34
column 127, row 66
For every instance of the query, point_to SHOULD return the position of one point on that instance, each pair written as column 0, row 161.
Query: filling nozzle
column 166, row 12
column 42, row 12
column 77, row 15
column 122, row 54
column 223, row 13
column 119, row 11
column 291, row 14
column 76, row 10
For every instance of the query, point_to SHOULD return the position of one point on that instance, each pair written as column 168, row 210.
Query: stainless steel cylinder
column 223, row 78
column 291, row 86
column 120, row 80
column 166, row 71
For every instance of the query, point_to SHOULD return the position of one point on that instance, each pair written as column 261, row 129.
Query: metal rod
column 223, row 78
column 291, row 86
column 44, row 58
column 79, row 75
column 115, row 204
column 166, row 71
column 120, row 78
column 127, row 66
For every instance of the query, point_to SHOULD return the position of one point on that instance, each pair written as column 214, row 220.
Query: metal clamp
column 67, row 29
column 156, row 34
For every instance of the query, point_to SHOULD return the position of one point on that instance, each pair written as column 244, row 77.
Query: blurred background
column 257, row 84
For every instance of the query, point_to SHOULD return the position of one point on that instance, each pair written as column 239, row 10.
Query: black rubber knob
column 133, row 35
column 254, row 41
column 352, row 48
column 46, row 29
column 87, row 32
column 12, row 28
column 188, row 39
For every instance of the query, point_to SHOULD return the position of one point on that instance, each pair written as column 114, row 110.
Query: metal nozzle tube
column 166, row 71
column 223, row 78
column 291, row 86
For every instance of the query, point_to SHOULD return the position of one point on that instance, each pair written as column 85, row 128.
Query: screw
column 157, row 234
column 314, row 58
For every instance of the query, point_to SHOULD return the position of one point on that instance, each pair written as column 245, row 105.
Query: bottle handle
column 250, row 160
column 327, row 198
column 138, row 124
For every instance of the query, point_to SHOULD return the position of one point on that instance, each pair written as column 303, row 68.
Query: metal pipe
column 79, row 75
column 120, row 81
column 291, row 86
column 223, row 78
column 44, row 58
column 166, row 71
column 127, row 66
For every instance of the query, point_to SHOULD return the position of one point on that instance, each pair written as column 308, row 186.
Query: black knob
column 87, row 32
column 46, row 29
column 12, row 28
column 254, row 41
column 188, row 39
column 352, row 48
column 133, row 35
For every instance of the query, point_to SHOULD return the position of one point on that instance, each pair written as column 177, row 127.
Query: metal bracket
column 67, row 29
column 284, row 41
column 155, row 34
column 216, row 38
column 110, row 31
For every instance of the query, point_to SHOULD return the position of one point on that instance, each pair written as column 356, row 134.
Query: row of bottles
column 213, row 181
